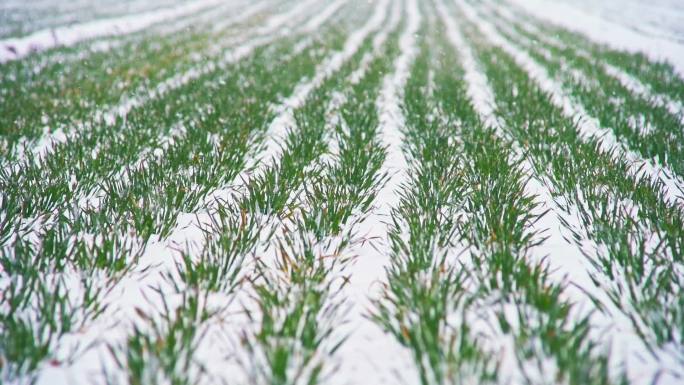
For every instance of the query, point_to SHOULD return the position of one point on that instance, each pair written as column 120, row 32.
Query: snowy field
column 341, row 192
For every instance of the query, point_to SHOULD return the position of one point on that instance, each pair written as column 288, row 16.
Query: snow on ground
column 19, row 18
column 589, row 126
column 627, row 80
column 244, row 12
column 16, row 48
column 482, row 97
column 657, row 18
column 566, row 260
column 332, row 64
column 626, row 344
column 159, row 258
column 279, row 25
column 371, row 356
column 600, row 30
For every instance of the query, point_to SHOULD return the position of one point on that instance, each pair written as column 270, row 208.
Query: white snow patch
column 600, row 30
column 478, row 88
column 276, row 22
column 159, row 258
column 565, row 259
column 661, row 18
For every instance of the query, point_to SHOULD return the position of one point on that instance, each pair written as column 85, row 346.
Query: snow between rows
column 340, row 98
column 277, row 21
column 482, row 97
column 328, row 67
column 378, row 41
column 320, row 18
column 674, row 185
column 222, row 15
column 599, row 30
column 45, row 145
column 285, row 119
column 245, row 14
column 567, row 258
column 17, row 48
column 625, row 342
column 178, row 132
column 589, row 126
column 159, row 257
column 372, row 356
column 628, row 81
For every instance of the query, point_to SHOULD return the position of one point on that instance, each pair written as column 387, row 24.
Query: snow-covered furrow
column 296, row 12
column 192, row 228
column 341, row 246
column 216, row 19
column 315, row 22
column 589, row 126
column 285, row 118
column 244, row 14
column 225, row 16
column 340, row 98
column 16, row 48
column 277, row 129
column 134, row 292
column 566, row 261
column 337, row 245
column 160, row 257
column 28, row 17
column 658, row 18
column 246, row 43
column 177, row 133
column 378, row 41
column 269, row 255
column 675, row 107
column 44, row 145
column 372, row 356
column 328, row 67
column 597, row 29
column 478, row 88
column 277, row 132
column 482, row 98
column 612, row 325
column 673, row 182
column 61, row 9
column 93, row 198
